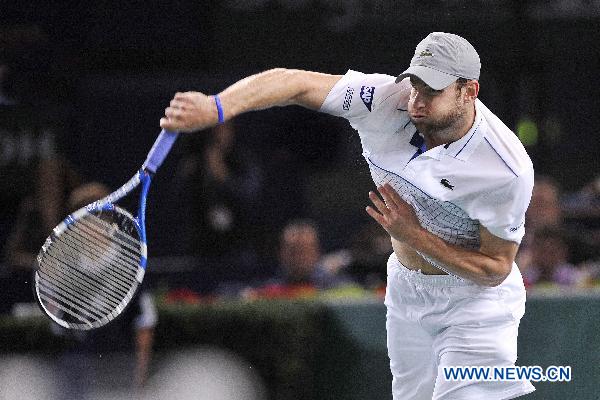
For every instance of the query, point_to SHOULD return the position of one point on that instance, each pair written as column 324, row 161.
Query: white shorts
column 435, row 321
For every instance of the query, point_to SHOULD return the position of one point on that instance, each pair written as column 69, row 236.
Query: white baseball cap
column 441, row 58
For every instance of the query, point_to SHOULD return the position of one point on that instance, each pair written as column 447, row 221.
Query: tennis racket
column 92, row 263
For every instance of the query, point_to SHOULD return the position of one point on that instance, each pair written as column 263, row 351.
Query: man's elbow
column 285, row 74
column 495, row 277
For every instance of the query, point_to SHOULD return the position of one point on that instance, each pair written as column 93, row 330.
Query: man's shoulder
column 374, row 104
column 373, row 78
column 376, row 90
column 502, row 147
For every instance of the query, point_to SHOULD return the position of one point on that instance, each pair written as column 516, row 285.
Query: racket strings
column 83, row 290
column 118, row 231
column 80, row 289
column 53, row 303
column 79, row 241
column 89, row 271
column 65, row 273
column 94, row 265
column 61, row 298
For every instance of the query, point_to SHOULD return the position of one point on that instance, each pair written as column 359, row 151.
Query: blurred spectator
column 545, row 212
column 583, row 208
column 303, row 269
column 28, row 235
column 30, row 229
column 132, row 332
column 549, row 260
column 35, row 174
column 125, row 344
column 221, row 185
column 369, row 252
column 544, row 208
column 585, row 202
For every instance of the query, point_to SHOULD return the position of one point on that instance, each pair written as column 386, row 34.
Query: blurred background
column 260, row 251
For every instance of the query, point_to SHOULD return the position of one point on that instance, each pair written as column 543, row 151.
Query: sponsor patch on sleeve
column 366, row 95
column 516, row 228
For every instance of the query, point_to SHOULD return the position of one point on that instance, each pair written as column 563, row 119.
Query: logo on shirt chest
column 348, row 99
column 366, row 95
column 446, row 183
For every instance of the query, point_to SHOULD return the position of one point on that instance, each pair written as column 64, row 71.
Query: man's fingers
column 386, row 198
column 167, row 124
column 183, row 97
column 381, row 207
column 178, row 104
column 171, row 120
column 189, row 111
column 392, row 194
column 172, row 113
column 375, row 215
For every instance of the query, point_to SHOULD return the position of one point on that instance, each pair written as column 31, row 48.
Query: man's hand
column 190, row 111
column 395, row 215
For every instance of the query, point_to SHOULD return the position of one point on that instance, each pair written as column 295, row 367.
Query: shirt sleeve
column 375, row 106
column 502, row 211
column 359, row 97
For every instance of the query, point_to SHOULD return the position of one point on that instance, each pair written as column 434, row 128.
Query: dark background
column 110, row 68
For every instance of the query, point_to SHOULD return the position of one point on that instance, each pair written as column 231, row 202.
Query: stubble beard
column 443, row 128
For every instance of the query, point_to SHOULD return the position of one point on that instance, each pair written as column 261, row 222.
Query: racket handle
column 159, row 150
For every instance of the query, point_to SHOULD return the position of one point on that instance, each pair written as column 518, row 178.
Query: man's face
column 436, row 111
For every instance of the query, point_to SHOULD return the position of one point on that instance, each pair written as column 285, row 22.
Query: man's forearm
column 473, row 265
column 275, row 87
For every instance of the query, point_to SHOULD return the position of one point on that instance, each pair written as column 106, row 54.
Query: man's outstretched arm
column 192, row 111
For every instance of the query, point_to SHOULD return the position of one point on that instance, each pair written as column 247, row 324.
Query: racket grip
column 159, row 150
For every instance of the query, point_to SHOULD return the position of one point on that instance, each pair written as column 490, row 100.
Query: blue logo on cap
column 366, row 95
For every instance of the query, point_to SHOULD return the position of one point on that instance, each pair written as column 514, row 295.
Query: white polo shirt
column 485, row 178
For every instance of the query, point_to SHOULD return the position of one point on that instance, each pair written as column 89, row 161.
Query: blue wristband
column 219, row 109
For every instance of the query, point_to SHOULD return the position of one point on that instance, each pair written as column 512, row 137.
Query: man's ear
column 472, row 90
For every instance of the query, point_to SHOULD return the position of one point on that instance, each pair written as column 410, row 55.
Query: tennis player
column 454, row 183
